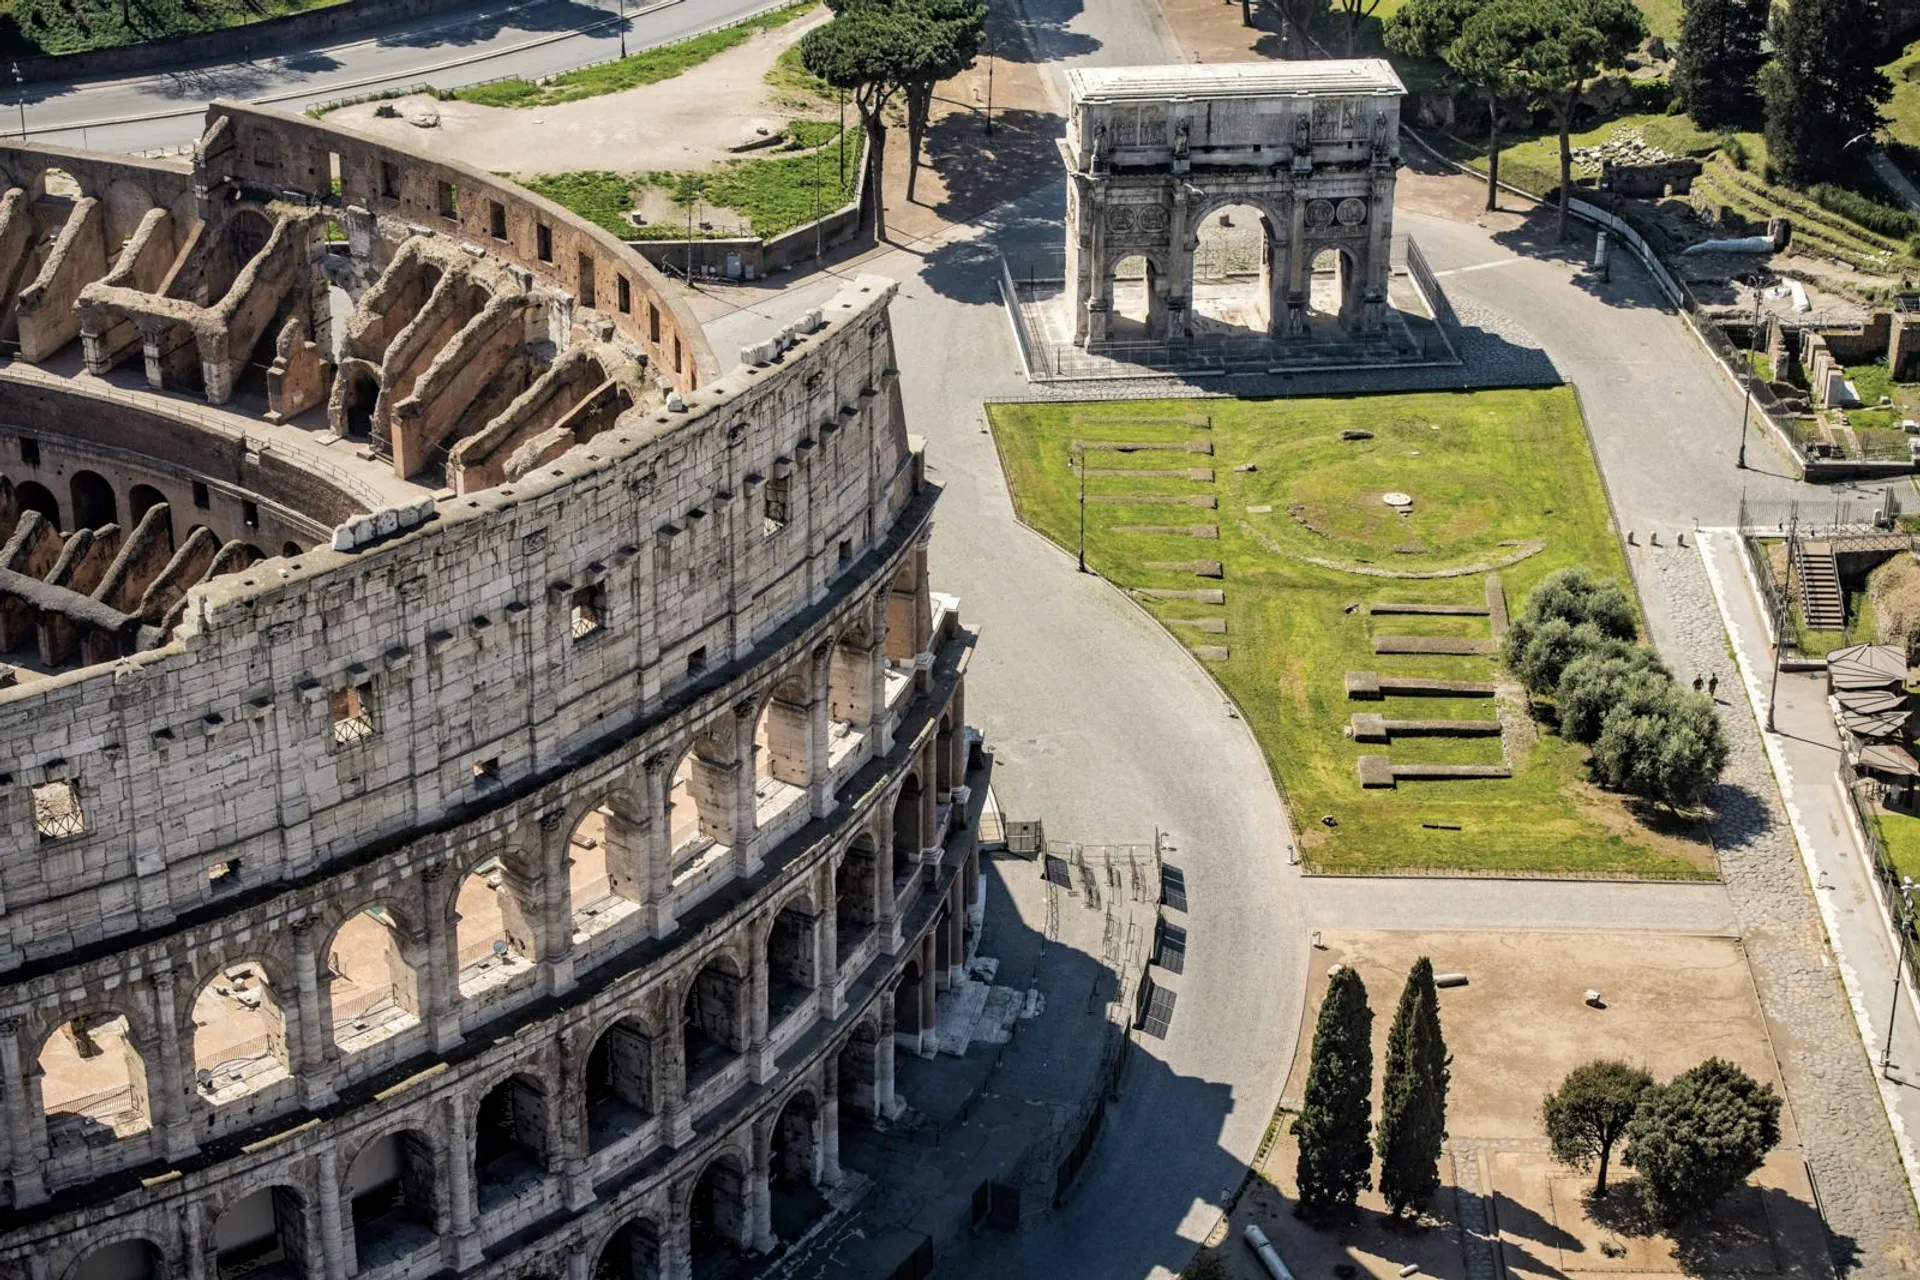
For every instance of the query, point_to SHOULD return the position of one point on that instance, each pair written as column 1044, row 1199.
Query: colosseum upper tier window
column 352, row 716
column 56, row 811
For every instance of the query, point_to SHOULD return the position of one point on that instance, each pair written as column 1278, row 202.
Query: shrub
column 1593, row 684
column 1735, row 150
column 1666, row 745
column 1870, row 213
column 1578, row 596
column 1700, row 1136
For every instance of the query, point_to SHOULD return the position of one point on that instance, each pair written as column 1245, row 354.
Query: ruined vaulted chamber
column 482, row 788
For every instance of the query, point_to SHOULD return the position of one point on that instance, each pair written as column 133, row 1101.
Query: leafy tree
column 1335, row 1157
column 1667, row 746
column 1594, row 683
column 1550, row 49
column 1576, row 595
column 1413, row 1103
column 1718, row 62
column 1431, row 29
column 1538, row 652
column 1698, row 1137
column 1297, row 19
column 1352, row 14
column 1591, row 1111
column 1822, row 89
column 887, row 50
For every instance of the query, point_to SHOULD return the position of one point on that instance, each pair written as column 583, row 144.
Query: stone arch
column 782, row 741
column 631, row 1252
column 1138, row 283
column 1334, row 283
column 795, row 1161
column 789, row 942
column 621, row 1079
column 94, row 1079
column 391, row 1196
column 492, row 909
column 512, row 1142
column 906, row 1000
column 719, row 1226
column 129, row 1258
column 859, row 1067
column 714, row 1017
column 359, row 394
column 944, row 780
column 34, row 496
column 142, row 498
column 371, row 965
column 94, row 503
column 700, row 810
column 855, row 885
column 241, row 1039
column 606, row 860
column 263, row 1233
column 289, row 549
column 908, row 838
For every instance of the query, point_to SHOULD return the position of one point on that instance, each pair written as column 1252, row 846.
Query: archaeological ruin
column 486, row 784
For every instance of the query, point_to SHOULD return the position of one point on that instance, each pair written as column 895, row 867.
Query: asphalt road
column 534, row 38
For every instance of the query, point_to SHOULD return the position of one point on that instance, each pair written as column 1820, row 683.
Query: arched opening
column 619, row 1083
column 715, row 1018
column 906, row 833
column 1139, row 300
column 633, row 1253
column 93, row 1083
column 143, row 498
column 239, row 1035
column 362, row 393
column 262, row 1235
column 849, row 693
column 943, row 779
column 1233, row 273
column 373, row 988
column 94, row 504
column 34, row 496
column 853, row 896
column 124, row 1260
column 1330, row 293
column 492, row 936
column 790, row 960
column 906, row 1001
column 781, row 741
column 795, row 1202
column 390, row 1188
column 699, row 825
column 289, row 549
column 606, row 859
column 859, row 1075
column 509, row 1140
column 717, row 1217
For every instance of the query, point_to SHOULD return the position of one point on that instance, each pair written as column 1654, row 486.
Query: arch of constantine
column 1306, row 152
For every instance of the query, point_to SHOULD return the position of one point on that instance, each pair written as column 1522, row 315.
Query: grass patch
column 790, row 77
column 780, row 192
column 600, row 197
column 1900, row 837
column 1530, row 159
column 1486, row 471
column 649, row 66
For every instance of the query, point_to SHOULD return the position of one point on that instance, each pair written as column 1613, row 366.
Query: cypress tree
column 1822, row 89
column 1718, row 62
column 1413, row 1103
column 1335, row 1156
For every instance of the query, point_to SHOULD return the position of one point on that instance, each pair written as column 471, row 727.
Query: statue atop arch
column 1153, row 152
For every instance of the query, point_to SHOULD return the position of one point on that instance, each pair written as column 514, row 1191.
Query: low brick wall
column 757, row 258
column 269, row 36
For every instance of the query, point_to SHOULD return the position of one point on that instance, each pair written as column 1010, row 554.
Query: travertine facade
column 525, row 877
column 1151, row 152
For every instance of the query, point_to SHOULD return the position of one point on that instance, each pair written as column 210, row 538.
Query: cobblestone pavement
column 1830, row 1086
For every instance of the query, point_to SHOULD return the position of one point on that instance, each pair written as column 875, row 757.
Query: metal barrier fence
column 1864, row 794
column 1430, row 291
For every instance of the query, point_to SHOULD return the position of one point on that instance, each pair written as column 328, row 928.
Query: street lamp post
column 989, row 82
column 1080, row 460
column 20, row 94
column 1901, row 924
column 623, row 28
column 1779, row 626
column 1746, row 383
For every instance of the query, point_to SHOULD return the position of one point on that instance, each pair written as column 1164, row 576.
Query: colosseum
column 486, row 789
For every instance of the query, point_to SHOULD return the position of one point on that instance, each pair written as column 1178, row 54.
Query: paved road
column 532, row 38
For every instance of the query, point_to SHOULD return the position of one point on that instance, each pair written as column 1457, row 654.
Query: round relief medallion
column 1153, row 218
column 1353, row 212
column 1319, row 213
column 1120, row 218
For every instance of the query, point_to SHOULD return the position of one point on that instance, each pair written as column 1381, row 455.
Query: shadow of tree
column 1035, row 36
column 547, row 16
column 981, row 170
column 1537, row 237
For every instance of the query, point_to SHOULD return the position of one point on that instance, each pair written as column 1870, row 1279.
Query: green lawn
column 649, row 66
column 1487, row 472
column 1903, row 113
column 1900, row 837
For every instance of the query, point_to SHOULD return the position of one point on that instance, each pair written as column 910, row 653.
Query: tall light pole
column 1746, row 383
column 1780, row 624
column 623, row 28
column 20, row 92
column 1080, row 459
column 989, row 82
column 1905, row 915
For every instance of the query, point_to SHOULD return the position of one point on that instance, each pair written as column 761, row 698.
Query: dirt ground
column 1517, row 1027
column 671, row 125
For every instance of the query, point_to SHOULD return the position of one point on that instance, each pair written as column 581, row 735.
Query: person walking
column 1697, row 682
column 1713, row 685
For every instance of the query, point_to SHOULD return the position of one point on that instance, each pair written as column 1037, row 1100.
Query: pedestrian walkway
column 1827, row 1080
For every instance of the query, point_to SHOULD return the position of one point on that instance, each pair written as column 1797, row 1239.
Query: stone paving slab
column 1199, row 595
column 1462, row 645
column 1208, row 531
column 1497, row 605
column 1198, row 568
column 1211, row 652
column 1448, row 610
column 1212, row 626
column 1375, row 771
column 1205, row 500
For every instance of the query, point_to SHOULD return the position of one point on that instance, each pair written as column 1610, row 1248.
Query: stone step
column 1380, row 772
column 1208, row 531
column 1199, row 595
column 1204, row 474
column 1205, row 500
column 1210, row 652
column 1368, row 686
column 1212, row 626
column 1198, row 568
column 1497, row 605
column 1461, row 645
column 1145, row 446
column 1371, row 727
column 1450, row 610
